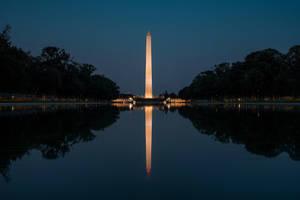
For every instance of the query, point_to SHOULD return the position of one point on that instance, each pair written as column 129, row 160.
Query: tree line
column 263, row 74
column 53, row 72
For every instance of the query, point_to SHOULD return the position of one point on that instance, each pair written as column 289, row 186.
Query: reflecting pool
column 125, row 151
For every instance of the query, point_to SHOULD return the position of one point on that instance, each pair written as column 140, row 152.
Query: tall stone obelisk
column 148, row 78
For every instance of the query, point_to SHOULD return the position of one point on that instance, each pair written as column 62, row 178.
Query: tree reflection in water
column 264, row 130
column 51, row 130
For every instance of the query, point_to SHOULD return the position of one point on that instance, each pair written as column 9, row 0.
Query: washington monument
column 148, row 79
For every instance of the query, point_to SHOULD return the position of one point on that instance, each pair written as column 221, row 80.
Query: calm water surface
column 135, row 152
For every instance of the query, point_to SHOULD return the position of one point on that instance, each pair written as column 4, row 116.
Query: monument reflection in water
column 148, row 137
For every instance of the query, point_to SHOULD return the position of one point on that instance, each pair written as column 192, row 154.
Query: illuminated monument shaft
column 148, row 80
column 148, row 137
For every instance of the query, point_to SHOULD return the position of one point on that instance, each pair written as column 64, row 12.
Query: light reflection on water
column 148, row 137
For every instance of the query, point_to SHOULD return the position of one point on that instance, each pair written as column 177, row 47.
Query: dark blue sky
column 187, row 36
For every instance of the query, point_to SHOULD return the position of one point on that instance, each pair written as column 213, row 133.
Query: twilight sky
column 187, row 36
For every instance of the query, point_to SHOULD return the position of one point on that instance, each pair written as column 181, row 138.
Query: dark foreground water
column 129, row 152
